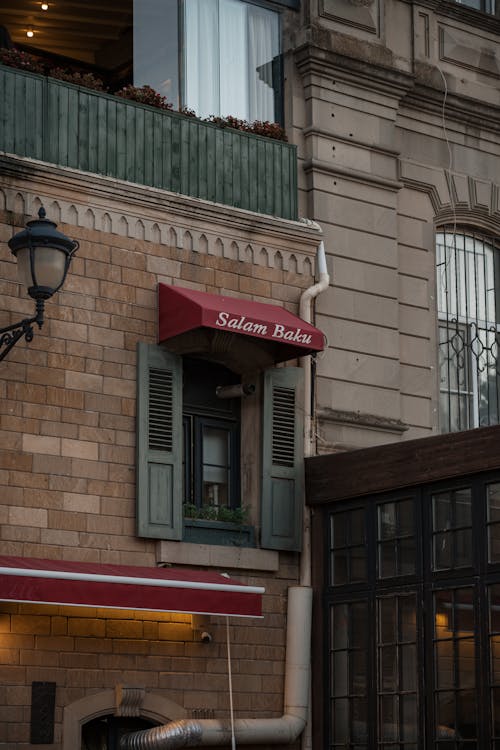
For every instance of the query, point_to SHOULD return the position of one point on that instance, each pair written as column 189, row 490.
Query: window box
column 218, row 532
column 60, row 123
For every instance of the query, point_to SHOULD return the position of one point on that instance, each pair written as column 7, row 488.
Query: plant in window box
column 220, row 525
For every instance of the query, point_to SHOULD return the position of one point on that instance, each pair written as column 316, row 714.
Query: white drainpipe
column 288, row 728
column 305, row 309
column 282, row 731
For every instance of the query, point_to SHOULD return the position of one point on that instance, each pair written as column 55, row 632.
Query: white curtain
column 233, row 58
column 263, row 47
column 229, row 46
column 201, row 56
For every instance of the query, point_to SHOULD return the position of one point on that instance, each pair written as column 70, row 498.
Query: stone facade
column 396, row 114
column 68, row 451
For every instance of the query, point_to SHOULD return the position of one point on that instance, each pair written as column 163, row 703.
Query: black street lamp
column 43, row 257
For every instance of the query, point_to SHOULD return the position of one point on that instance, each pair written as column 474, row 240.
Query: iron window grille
column 468, row 288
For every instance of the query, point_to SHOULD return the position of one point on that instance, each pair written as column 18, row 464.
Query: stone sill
column 206, row 555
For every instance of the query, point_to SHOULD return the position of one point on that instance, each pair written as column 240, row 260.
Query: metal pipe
column 282, row 731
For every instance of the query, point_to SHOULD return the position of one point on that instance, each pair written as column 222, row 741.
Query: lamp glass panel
column 50, row 265
column 23, row 267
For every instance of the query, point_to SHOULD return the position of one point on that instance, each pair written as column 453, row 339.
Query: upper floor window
column 486, row 6
column 216, row 57
column 468, row 289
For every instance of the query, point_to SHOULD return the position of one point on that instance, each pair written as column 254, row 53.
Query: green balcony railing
column 57, row 122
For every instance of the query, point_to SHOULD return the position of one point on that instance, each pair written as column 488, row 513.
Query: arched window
column 468, row 300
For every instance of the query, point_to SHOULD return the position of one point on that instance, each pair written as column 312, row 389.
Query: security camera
column 205, row 637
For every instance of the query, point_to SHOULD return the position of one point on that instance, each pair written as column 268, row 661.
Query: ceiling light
column 30, row 33
column 44, row 6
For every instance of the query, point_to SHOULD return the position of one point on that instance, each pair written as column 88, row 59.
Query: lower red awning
column 186, row 310
column 126, row 587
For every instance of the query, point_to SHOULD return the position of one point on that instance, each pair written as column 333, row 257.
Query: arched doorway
column 154, row 709
column 105, row 732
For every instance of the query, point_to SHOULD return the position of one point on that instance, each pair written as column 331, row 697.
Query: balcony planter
column 58, row 122
column 201, row 531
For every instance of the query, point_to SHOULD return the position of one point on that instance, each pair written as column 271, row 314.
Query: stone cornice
column 428, row 97
column 117, row 207
column 317, row 165
column 371, row 70
column 357, row 419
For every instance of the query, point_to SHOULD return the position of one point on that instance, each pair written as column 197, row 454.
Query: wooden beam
column 413, row 462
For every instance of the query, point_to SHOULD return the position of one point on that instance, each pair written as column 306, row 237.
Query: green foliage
column 216, row 513
column 144, row 95
column 14, row 58
column 87, row 80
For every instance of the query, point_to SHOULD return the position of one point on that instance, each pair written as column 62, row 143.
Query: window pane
column 156, row 55
column 348, row 547
column 493, row 505
column 451, row 525
column 201, row 57
column 396, row 540
column 215, row 465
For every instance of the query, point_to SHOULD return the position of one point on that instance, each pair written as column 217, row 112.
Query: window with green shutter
column 188, row 449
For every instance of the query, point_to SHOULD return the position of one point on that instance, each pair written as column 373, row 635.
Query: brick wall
column 67, row 483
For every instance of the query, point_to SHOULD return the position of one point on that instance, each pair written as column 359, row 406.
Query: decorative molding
column 468, row 50
column 152, row 215
column 470, row 17
column 360, row 14
column 455, row 198
column 357, row 419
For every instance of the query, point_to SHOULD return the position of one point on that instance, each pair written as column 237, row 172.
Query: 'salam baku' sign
column 269, row 330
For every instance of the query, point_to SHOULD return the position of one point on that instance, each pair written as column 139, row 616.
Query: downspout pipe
column 282, row 731
column 305, row 308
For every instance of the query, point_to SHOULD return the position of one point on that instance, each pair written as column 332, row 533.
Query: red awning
column 126, row 587
column 285, row 335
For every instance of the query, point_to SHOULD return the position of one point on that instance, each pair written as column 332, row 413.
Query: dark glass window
column 486, row 6
column 348, row 670
column 493, row 522
column 397, row 671
column 452, row 529
column 348, row 547
column 395, row 539
column 211, row 438
column 414, row 643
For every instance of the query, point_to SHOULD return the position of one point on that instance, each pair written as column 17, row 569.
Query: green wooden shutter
column 159, row 443
column 283, row 459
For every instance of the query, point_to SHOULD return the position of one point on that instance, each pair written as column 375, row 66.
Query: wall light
column 44, row 6
column 30, row 33
column 43, row 258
